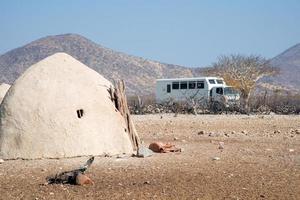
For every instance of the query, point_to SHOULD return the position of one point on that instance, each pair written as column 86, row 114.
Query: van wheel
column 217, row 108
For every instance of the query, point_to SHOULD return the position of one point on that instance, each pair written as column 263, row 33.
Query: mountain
column 289, row 64
column 138, row 73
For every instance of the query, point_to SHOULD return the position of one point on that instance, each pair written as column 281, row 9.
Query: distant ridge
column 289, row 64
column 138, row 73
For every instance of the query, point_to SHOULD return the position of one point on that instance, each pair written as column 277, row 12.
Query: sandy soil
column 260, row 160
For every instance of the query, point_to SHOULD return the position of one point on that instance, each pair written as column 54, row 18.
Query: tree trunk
column 245, row 102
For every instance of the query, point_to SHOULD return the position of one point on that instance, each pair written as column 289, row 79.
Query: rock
column 216, row 158
column 143, row 152
column 295, row 131
column 233, row 132
column 157, row 110
column 1, row 161
column 200, row 133
column 175, row 138
column 221, row 145
column 107, row 155
column 82, row 179
column 147, row 182
column 277, row 131
column 244, row 132
column 212, row 134
column 120, row 156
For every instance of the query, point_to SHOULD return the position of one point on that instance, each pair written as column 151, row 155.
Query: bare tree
column 242, row 72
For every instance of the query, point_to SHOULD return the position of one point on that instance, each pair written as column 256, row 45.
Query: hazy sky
column 190, row 33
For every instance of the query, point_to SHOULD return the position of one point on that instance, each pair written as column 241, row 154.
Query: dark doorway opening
column 168, row 88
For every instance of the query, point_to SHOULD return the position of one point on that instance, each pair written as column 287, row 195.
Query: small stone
column 244, row 132
column 175, row 138
column 200, row 133
column 147, row 182
column 121, row 156
column 82, row 179
column 226, row 134
column 216, row 158
column 297, row 131
column 144, row 152
column 291, row 150
column 1, row 161
column 277, row 131
column 107, row 155
column 233, row 132
column 221, row 145
column 51, row 193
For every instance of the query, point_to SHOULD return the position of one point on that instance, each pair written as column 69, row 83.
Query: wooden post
column 119, row 98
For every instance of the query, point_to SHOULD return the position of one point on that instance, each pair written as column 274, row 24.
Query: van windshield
column 219, row 81
column 230, row 90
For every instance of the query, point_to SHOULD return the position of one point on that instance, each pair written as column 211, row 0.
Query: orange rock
column 160, row 147
column 82, row 179
column 156, row 147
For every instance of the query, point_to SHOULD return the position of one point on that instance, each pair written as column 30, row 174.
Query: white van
column 209, row 90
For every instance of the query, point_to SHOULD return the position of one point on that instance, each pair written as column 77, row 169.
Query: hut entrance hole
column 79, row 113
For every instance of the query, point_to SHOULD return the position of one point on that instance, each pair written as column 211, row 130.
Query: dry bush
column 242, row 72
column 281, row 102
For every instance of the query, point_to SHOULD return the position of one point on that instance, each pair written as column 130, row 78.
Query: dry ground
column 260, row 160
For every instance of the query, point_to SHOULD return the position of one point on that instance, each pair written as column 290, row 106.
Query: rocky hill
column 138, row 73
column 289, row 64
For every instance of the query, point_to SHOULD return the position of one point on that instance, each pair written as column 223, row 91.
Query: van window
column 175, row 85
column 200, row 84
column 192, row 84
column 219, row 81
column 212, row 81
column 219, row 90
column 183, row 85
